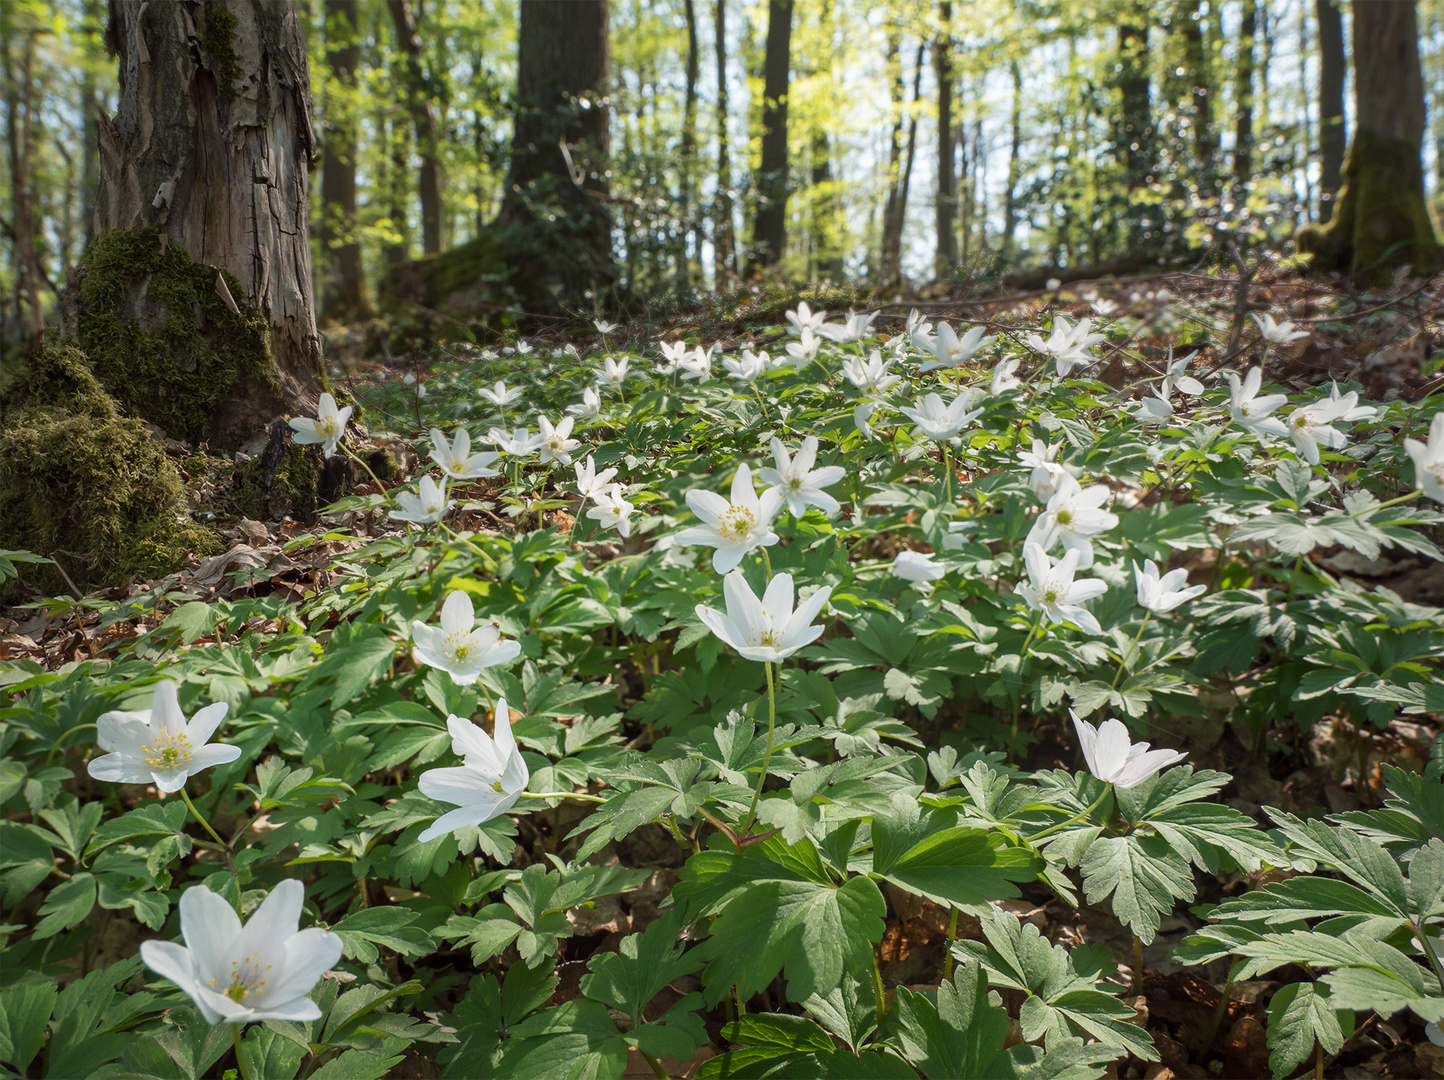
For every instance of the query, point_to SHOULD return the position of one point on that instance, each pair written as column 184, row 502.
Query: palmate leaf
column 1144, row 876
column 780, row 1046
column 1300, row 1015
column 1066, row 992
column 1372, row 867
column 778, row 909
column 641, row 967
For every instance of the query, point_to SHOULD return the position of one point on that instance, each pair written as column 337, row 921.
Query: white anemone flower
column 1067, row 344
column 612, row 510
column 589, row 481
column 1176, row 376
column 854, row 329
column 1072, row 515
column 918, row 569
column 487, row 784
column 697, row 364
column 591, row 404
column 767, row 629
column 326, row 429
column 747, row 367
column 1005, row 377
column 1047, row 474
column 1278, row 333
column 556, row 441
column 798, row 482
column 1358, row 412
column 1161, row 595
column 734, row 528
column 426, row 505
column 458, row 646
column 1311, row 426
column 158, row 745
column 518, row 443
column 1155, row 408
column 803, row 351
column 238, row 974
column 804, row 318
column 500, row 395
column 672, row 356
column 523, row 348
column 614, row 373
column 1428, row 459
column 949, row 349
column 862, row 417
column 456, row 459
column 604, row 327
column 870, row 375
column 1113, row 756
column 937, row 421
column 1251, row 412
column 1052, row 590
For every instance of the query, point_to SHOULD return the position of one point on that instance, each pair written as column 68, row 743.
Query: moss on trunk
column 1381, row 221
column 85, row 484
column 167, row 346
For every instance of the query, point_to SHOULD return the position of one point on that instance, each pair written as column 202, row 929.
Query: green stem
column 1429, row 952
column 766, row 563
column 361, row 461
column 948, row 946
column 1017, row 705
column 1076, row 817
column 947, row 471
column 1392, row 502
column 240, row 1057
column 767, row 756
column 562, row 795
column 201, row 818
column 1137, row 965
column 1123, row 660
column 656, row 1065
column 877, row 990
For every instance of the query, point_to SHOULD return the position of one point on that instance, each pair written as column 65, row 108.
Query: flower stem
column 766, row 563
column 656, row 1065
column 1137, row 965
column 1123, row 660
column 948, row 945
column 766, row 757
column 562, row 795
column 361, row 461
column 1076, row 817
column 240, row 1057
column 947, row 471
column 1429, row 952
column 201, row 818
column 1392, row 502
column 877, row 990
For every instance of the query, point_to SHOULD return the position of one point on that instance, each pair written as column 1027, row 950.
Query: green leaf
column 1301, row 1015
column 156, row 819
column 24, row 1013
column 389, row 927
column 1144, row 876
column 641, row 967
column 357, row 1065
column 354, row 665
column 953, row 1031
column 66, row 905
column 961, row 866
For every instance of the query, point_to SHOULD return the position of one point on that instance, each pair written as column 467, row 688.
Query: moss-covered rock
column 164, row 342
column 467, row 283
column 85, row 484
column 1381, row 221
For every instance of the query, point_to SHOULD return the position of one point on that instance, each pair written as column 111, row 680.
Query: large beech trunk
column 1381, row 221
column 210, row 146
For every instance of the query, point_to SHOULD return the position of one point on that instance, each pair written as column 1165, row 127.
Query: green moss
column 164, row 343
column 1381, row 221
column 261, row 496
column 467, row 281
column 218, row 35
column 86, row 485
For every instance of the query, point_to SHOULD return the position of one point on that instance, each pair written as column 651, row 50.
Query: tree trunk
column 769, row 230
column 1243, row 112
column 1332, row 139
column 1015, row 148
column 689, row 146
column 1381, row 220
column 1200, row 95
column 420, row 103
column 891, row 245
column 724, row 238
column 1137, row 121
column 19, row 130
column 205, row 165
column 946, row 257
column 343, row 291
column 554, row 224
column 895, row 218
column 830, row 228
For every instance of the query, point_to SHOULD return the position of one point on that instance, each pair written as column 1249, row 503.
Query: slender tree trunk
column 1200, row 93
column 343, row 295
column 90, row 102
column 946, row 258
column 420, row 103
column 555, row 227
column 895, row 217
column 905, row 184
column 1137, row 121
column 724, row 238
column 1243, row 114
column 20, row 142
column 769, row 232
column 689, row 145
column 1015, row 150
column 211, row 148
column 891, row 243
column 1381, row 220
column 1332, row 137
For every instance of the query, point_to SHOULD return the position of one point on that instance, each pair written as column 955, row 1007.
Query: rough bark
column 1381, row 220
column 724, row 238
column 887, row 267
column 1332, row 137
column 554, row 224
column 1137, row 135
column 688, row 230
column 946, row 256
column 1243, row 105
column 210, row 148
column 769, row 226
column 420, row 103
column 344, row 296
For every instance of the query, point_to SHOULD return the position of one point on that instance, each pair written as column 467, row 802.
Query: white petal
column 304, row 956
column 120, row 768
column 210, row 756
column 165, row 711
column 203, row 725
column 457, row 614
column 210, row 928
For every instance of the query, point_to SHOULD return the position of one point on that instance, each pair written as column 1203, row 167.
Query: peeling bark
column 211, row 145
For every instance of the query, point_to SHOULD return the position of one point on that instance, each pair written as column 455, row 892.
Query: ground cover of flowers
column 849, row 704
